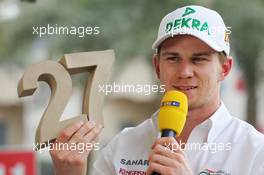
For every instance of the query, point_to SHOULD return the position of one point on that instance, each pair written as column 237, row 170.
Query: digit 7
column 98, row 64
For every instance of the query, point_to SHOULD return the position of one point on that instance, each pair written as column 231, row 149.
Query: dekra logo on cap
column 187, row 23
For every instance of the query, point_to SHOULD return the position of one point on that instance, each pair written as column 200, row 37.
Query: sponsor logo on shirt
column 213, row 172
column 141, row 162
column 123, row 171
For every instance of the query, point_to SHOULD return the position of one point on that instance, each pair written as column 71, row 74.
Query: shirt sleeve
column 261, row 170
column 104, row 164
column 258, row 168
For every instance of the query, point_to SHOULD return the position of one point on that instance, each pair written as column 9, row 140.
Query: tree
column 247, row 22
column 126, row 26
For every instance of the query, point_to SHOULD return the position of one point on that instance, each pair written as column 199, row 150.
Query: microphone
column 172, row 114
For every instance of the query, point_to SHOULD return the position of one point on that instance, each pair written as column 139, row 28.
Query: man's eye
column 172, row 58
column 199, row 59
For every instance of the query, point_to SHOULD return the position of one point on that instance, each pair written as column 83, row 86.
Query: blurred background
column 128, row 27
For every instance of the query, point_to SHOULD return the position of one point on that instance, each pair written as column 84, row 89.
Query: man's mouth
column 185, row 88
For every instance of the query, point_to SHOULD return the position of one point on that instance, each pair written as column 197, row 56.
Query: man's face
column 187, row 64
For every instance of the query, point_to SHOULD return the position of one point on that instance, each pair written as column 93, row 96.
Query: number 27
column 57, row 76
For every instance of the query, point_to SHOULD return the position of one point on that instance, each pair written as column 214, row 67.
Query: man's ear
column 226, row 67
column 155, row 62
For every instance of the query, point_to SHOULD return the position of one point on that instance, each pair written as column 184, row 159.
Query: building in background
column 11, row 111
column 19, row 117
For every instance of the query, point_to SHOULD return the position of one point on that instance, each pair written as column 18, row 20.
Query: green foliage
column 128, row 27
column 247, row 41
column 247, row 22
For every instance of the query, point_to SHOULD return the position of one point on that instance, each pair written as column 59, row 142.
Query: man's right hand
column 74, row 161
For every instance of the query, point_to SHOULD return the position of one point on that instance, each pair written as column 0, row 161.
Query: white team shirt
column 221, row 145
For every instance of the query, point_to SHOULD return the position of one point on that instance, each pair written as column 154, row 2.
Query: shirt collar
column 218, row 122
column 154, row 119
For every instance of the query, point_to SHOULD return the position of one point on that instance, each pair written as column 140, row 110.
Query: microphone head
column 173, row 111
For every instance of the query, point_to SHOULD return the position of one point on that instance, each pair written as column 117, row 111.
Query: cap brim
column 206, row 40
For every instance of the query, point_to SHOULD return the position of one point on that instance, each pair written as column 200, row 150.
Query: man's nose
column 185, row 70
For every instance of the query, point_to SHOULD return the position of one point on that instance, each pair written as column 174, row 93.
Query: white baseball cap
column 203, row 23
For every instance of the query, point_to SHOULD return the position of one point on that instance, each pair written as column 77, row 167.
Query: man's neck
column 195, row 117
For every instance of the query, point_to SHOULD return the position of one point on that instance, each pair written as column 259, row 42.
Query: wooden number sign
column 57, row 76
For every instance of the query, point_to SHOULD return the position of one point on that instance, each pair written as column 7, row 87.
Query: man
column 192, row 57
